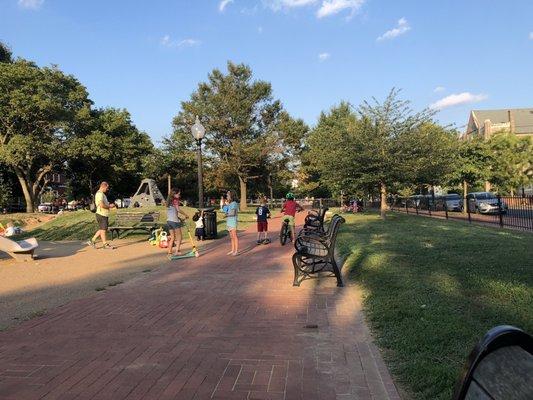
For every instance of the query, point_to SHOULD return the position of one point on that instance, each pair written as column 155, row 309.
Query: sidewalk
column 216, row 327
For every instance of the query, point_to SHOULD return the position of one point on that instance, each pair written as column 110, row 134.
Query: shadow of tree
column 433, row 288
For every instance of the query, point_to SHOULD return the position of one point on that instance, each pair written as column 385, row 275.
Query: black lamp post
column 198, row 132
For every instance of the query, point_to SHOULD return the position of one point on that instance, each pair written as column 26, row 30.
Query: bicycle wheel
column 284, row 233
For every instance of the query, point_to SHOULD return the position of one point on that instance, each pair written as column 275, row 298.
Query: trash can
column 210, row 222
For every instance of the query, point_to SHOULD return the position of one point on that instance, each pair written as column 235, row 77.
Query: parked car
column 451, row 201
column 485, row 203
column 45, row 208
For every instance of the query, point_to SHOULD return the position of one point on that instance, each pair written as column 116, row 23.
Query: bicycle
column 285, row 232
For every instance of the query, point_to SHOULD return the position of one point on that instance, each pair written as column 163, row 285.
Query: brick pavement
column 215, row 327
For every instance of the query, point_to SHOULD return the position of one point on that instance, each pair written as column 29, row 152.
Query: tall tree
column 472, row 166
column 5, row 53
column 38, row 110
column 389, row 133
column 511, row 165
column 240, row 117
column 109, row 147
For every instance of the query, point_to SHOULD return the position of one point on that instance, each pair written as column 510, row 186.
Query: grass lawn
column 81, row 225
column 433, row 288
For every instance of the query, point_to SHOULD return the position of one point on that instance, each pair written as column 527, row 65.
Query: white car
column 45, row 208
column 485, row 203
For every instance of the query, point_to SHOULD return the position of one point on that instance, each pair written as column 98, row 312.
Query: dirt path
column 215, row 327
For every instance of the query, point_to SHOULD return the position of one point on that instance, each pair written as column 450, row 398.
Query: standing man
column 102, row 216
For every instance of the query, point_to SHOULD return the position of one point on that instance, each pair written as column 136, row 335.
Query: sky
column 148, row 56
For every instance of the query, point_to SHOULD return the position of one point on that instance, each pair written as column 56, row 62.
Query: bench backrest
column 124, row 218
column 499, row 367
column 333, row 229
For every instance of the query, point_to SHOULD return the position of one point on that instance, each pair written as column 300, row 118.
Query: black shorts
column 103, row 222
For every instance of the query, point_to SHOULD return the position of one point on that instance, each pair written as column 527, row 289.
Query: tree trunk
column 383, row 205
column 25, row 185
column 465, row 203
column 242, row 183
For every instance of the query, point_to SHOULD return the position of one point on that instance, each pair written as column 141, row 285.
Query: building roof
column 523, row 118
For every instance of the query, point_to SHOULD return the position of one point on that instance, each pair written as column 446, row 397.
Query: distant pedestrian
column 102, row 216
column 263, row 213
column 231, row 209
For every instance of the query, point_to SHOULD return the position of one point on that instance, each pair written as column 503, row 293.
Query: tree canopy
column 244, row 124
column 38, row 108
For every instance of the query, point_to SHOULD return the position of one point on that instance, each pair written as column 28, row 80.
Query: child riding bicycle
column 289, row 209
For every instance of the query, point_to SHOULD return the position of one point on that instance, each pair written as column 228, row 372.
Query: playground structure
column 148, row 194
column 21, row 250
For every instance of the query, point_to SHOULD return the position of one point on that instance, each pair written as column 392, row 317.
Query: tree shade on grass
column 433, row 288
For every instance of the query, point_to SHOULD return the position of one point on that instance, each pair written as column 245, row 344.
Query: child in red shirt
column 289, row 210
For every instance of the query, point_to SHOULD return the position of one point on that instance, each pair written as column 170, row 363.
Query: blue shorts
column 174, row 225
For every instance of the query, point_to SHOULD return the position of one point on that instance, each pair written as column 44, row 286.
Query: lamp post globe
column 198, row 132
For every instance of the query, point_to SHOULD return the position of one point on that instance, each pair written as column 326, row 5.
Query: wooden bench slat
column 507, row 373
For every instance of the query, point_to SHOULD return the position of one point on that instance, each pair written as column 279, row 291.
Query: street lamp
column 198, row 132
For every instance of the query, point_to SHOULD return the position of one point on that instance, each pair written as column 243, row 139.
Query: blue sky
column 147, row 56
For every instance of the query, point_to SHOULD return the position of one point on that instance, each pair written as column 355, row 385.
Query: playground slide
column 21, row 250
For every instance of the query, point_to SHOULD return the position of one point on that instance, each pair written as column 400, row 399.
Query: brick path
column 210, row 328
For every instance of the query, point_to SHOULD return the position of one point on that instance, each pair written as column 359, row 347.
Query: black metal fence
column 505, row 211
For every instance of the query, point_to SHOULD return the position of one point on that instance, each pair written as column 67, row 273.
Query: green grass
column 81, row 225
column 433, row 288
column 19, row 219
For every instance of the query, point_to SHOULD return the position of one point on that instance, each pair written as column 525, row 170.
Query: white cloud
column 259, row 29
column 223, row 4
column 166, row 41
column 31, row 4
column 400, row 29
column 324, row 56
column 457, row 99
column 530, row 35
column 277, row 5
column 439, row 89
column 331, row 7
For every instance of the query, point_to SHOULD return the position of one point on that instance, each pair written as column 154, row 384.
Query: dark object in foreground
column 315, row 252
column 499, row 367
column 134, row 221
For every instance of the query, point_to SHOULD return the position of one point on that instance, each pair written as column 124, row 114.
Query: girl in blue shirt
column 232, row 210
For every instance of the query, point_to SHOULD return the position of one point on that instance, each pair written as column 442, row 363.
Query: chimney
column 487, row 129
column 511, row 121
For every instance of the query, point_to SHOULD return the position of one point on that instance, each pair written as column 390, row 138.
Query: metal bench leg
column 337, row 273
column 296, row 281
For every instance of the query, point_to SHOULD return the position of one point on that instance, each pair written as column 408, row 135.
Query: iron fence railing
column 505, row 211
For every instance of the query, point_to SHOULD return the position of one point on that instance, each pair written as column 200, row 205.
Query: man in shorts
column 102, row 216
column 289, row 210
column 262, row 213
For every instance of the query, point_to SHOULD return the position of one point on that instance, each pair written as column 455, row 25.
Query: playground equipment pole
column 198, row 132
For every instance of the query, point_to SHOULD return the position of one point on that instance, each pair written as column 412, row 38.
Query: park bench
column 499, row 368
column 315, row 252
column 314, row 220
column 134, row 221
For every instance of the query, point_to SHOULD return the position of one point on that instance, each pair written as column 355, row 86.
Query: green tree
column 240, row 117
column 472, row 167
column 5, row 53
column 511, row 162
column 108, row 147
column 38, row 110
column 329, row 154
column 390, row 131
